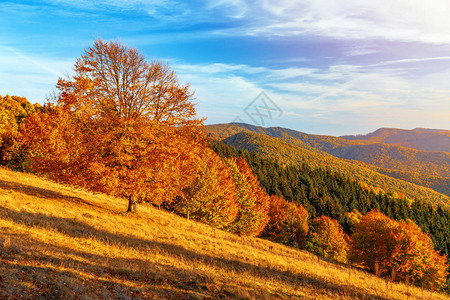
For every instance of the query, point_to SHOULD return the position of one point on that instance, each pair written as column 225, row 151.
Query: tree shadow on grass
column 67, row 273
column 78, row 229
column 48, row 194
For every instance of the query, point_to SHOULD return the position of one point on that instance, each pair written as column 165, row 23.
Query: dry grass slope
column 61, row 242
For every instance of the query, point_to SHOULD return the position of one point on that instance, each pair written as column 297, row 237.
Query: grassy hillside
column 418, row 138
column 285, row 153
column 61, row 242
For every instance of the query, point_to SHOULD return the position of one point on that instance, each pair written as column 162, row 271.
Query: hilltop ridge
column 422, row 174
column 425, row 139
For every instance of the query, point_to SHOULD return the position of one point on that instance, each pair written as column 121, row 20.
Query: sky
column 332, row 67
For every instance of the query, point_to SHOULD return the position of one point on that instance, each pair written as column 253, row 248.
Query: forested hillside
column 398, row 158
column 128, row 129
column 428, row 169
column 327, row 193
column 439, row 184
column 288, row 154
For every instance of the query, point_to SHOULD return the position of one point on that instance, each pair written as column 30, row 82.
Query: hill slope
column 418, row 138
column 285, row 153
column 428, row 169
column 60, row 242
column 392, row 157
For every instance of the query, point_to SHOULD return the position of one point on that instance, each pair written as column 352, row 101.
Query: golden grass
column 62, row 242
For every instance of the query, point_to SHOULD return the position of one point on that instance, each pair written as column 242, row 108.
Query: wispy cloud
column 28, row 75
column 327, row 63
column 370, row 99
column 410, row 60
column 393, row 20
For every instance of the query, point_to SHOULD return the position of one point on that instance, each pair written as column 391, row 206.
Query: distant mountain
column 379, row 165
column 391, row 157
column 439, row 184
column 418, row 138
column 397, row 158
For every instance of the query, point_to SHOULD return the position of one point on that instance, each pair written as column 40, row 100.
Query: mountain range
column 418, row 138
column 380, row 159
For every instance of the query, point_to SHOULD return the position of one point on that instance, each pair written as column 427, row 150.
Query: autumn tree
column 252, row 199
column 3, row 123
column 351, row 218
column 398, row 250
column 288, row 222
column 210, row 196
column 10, row 113
column 326, row 238
column 121, row 125
column 415, row 259
column 13, row 111
column 373, row 243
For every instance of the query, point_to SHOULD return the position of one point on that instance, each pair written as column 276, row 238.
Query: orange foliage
column 288, row 223
column 13, row 110
column 120, row 126
column 415, row 259
column 399, row 250
column 210, row 196
column 326, row 238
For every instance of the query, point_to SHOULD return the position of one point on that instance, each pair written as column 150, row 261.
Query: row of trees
column 126, row 127
column 322, row 192
column 399, row 251
column 336, row 204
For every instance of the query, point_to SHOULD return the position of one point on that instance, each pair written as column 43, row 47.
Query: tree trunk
column 132, row 204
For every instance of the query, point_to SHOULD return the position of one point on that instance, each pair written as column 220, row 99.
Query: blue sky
column 331, row 66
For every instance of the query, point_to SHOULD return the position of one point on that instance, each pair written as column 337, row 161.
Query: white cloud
column 341, row 95
column 409, row 60
column 394, row 20
column 29, row 76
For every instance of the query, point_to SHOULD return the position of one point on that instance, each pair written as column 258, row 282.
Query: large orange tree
column 288, row 222
column 399, row 250
column 120, row 125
